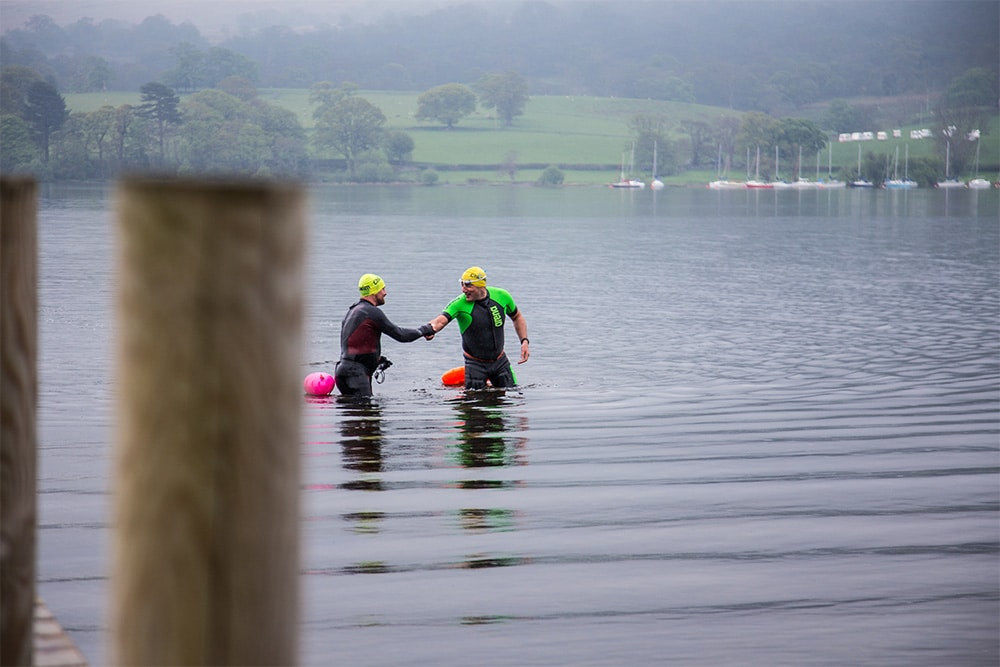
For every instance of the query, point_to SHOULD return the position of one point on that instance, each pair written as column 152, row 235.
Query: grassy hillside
column 580, row 131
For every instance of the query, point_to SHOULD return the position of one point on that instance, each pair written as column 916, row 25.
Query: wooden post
column 210, row 303
column 18, row 413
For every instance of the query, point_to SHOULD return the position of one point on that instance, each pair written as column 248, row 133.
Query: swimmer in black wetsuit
column 481, row 314
column 361, row 338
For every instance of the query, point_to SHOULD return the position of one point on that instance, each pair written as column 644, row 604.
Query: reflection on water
column 493, row 518
column 361, row 434
column 488, row 436
column 487, row 433
column 483, row 432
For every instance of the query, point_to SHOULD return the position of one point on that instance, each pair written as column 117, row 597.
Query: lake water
column 757, row 428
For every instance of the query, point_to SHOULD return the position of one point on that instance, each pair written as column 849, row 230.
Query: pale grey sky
column 207, row 15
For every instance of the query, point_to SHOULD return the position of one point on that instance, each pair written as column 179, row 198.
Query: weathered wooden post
column 206, row 509
column 18, row 412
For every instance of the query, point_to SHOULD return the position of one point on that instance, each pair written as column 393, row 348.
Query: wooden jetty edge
column 29, row 633
column 53, row 647
column 210, row 308
column 18, row 416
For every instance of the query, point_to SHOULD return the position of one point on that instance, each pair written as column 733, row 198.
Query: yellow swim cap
column 474, row 276
column 370, row 284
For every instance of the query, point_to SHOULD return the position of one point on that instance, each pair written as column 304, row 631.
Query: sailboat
column 831, row 182
column 804, row 183
column 896, row 183
column 756, row 183
column 861, row 182
column 948, row 182
column 978, row 183
column 778, row 183
column 628, row 182
column 724, row 183
column 907, row 181
column 655, row 184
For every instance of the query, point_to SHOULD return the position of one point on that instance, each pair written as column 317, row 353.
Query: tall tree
column 215, row 135
column 650, row 130
column 349, row 127
column 45, row 112
column 798, row 133
column 125, row 117
column 446, row 104
column 324, row 94
column 98, row 74
column 758, row 129
column 160, row 103
column 220, row 63
column 507, row 92
column 15, row 80
column 727, row 130
column 398, row 146
column 99, row 125
column 189, row 73
column 700, row 135
column 286, row 140
column 18, row 148
column 71, row 149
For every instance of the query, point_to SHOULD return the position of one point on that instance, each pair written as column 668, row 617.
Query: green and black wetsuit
column 481, row 323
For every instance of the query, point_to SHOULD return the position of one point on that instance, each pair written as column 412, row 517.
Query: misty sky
column 209, row 16
column 215, row 16
column 219, row 18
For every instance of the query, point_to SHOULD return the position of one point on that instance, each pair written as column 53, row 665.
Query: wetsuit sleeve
column 504, row 298
column 402, row 334
column 456, row 306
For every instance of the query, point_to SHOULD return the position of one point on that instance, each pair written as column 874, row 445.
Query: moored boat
column 896, row 183
column 978, row 183
column 831, row 183
column 806, row 184
column 779, row 184
column 656, row 183
column 755, row 183
column 948, row 181
column 723, row 182
column 623, row 182
column 727, row 185
column 861, row 182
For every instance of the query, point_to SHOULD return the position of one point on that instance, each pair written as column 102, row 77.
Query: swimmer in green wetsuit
column 481, row 313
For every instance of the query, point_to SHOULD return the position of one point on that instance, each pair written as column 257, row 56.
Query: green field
column 572, row 132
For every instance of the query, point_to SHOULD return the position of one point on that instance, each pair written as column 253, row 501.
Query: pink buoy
column 319, row 384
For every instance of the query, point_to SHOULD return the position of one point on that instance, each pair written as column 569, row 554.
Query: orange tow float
column 454, row 377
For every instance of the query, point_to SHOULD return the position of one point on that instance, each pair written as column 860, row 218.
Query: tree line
column 227, row 128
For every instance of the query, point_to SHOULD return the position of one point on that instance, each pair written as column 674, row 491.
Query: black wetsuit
column 361, row 346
